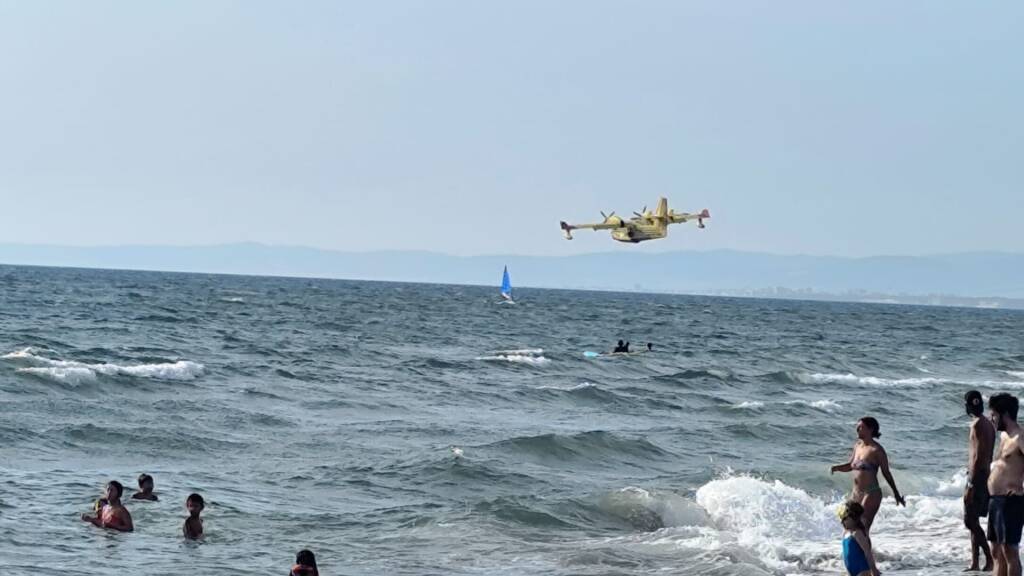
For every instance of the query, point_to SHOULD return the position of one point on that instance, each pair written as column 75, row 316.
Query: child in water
column 193, row 528
column 145, row 489
column 305, row 564
column 109, row 512
column 857, row 554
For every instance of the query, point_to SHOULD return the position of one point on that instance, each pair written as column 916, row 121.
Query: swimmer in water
column 110, row 513
column 145, row 489
column 305, row 564
column 650, row 347
column 193, row 528
column 620, row 348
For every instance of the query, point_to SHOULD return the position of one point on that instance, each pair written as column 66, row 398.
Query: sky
column 850, row 129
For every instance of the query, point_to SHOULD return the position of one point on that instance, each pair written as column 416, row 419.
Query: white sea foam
column 233, row 299
column 1019, row 375
column 853, row 379
column 825, row 404
column 522, row 352
column 572, row 388
column 516, row 358
column 788, row 529
column 74, row 372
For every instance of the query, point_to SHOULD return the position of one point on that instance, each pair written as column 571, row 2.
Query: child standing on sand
column 857, row 554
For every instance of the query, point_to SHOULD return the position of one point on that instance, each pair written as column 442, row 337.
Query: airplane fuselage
column 638, row 232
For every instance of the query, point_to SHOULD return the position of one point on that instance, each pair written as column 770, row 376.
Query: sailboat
column 506, row 287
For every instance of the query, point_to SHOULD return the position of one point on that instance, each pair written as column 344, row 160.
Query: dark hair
column 193, row 497
column 143, row 478
column 853, row 510
column 1004, row 404
column 973, row 401
column 118, row 486
column 306, row 558
column 872, row 424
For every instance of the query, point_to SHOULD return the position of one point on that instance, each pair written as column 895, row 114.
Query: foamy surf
column 824, row 404
column 876, row 381
column 788, row 529
column 74, row 372
column 531, row 356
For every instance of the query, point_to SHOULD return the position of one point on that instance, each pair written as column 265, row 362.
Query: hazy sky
column 805, row 127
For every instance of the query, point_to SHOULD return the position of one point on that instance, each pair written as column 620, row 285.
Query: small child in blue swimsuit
column 857, row 554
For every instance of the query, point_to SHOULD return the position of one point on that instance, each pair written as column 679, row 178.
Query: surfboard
column 592, row 354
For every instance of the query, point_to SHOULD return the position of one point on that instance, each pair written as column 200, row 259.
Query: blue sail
column 506, row 285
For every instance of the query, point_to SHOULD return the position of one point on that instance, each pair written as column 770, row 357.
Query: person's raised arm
column 888, row 478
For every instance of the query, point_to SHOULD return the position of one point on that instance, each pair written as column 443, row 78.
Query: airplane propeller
column 607, row 216
column 641, row 213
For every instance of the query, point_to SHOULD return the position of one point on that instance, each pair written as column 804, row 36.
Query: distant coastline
column 977, row 280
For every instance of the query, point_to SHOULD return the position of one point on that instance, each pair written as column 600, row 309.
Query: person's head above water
column 195, row 504
column 145, row 482
column 305, row 564
column 114, row 491
column 650, row 346
column 867, row 427
column 620, row 343
column 1003, row 409
column 973, row 403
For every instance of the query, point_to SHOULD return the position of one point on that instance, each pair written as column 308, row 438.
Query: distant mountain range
column 988, row 279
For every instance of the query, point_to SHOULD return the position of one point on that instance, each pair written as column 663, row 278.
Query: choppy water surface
column 411, row 429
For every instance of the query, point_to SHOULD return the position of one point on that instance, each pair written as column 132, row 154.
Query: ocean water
column 420, row 429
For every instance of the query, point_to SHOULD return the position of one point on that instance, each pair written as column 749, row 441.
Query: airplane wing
column 568, row 228
column 680, row 217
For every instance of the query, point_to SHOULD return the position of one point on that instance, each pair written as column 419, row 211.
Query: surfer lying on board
column 110, row 513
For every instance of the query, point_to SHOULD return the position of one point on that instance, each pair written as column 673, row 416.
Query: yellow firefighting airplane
column 645, row 226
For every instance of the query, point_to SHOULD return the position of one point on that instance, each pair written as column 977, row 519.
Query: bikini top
column 859, row 464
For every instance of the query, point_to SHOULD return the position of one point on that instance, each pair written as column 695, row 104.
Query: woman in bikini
column 867, row 459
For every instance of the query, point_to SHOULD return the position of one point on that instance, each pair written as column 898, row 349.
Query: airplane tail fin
column 662, row 210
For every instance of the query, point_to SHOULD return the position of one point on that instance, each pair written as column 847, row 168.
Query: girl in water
column 867, row 459
column 857, row 555
column 305, row 564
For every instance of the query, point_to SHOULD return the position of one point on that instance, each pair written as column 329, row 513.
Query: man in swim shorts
column 112, row 514
column 979, row 459
column 1006, row 485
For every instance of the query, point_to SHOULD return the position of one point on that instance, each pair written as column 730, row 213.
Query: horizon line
column 259, row 244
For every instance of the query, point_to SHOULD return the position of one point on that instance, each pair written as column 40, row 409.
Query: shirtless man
column 1006, row 485
column 112, row 514
column 979, row 459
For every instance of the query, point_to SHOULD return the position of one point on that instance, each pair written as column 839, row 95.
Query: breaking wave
column 74, row 372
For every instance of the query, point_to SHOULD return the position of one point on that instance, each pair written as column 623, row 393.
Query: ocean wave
column 788, row 529
column 881, row 382
column 521, row 352
column 516, row 359
column 650, row 510
column 596, row 446
column 824, row 404
column 74, row 372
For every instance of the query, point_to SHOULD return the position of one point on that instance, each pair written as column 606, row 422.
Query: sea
column 408, row 429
